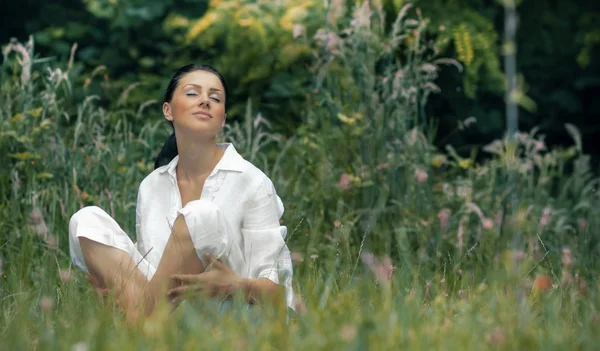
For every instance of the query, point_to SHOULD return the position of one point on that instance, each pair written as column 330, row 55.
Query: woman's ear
column 167, row 111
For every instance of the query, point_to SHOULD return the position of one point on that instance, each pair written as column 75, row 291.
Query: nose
column 204, row 101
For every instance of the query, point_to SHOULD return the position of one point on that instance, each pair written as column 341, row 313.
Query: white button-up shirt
column 246, row 197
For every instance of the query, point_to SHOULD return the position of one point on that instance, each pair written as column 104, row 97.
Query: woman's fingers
column 186, row 278
column 178, row 291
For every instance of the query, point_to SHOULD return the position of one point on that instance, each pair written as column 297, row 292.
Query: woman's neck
column 196, row 159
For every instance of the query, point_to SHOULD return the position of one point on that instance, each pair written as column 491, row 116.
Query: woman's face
column 197, row 108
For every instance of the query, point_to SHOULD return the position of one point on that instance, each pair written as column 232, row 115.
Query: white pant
column 208, row 229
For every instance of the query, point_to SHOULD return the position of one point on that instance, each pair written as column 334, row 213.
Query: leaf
column 23, row 156
column 44, row 175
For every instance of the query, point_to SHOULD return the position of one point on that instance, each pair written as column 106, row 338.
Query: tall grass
column 395, row 243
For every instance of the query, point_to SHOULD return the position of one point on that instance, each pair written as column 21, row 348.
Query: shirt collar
column 230, row 161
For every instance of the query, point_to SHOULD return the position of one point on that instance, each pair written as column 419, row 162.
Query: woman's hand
column 218, row 280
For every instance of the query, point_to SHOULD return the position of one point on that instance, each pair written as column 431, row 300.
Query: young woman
column 207, row 220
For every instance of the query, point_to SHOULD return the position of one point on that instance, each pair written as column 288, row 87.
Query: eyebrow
column 199, row 86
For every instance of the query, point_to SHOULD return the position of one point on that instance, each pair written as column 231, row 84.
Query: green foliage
column 457, row 284
column 458, row 251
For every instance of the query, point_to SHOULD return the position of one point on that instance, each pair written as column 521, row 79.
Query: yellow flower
column 465, row 164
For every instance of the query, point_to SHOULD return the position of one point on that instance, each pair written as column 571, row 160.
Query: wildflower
column 65, row 275
column 582, row 225
column 566, row 258
column 46, row 303
column 443, row 281
column 38, row 224
column 421, row 176
column 345, row 181
column 298, row 30
column 381, row 269
column 442, row 27
column 348, row 332
column 545, row 217
column 337, row 223
column 542, row 283
column 84, row 195
column 439, row 160
column 444, row 217
column 487, row 223
column 314, row 256
column 362, row 15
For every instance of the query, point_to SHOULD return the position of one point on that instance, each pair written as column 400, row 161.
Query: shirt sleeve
column 138, row 215
column 267, row 255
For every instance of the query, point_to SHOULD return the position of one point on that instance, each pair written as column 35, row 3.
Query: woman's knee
column 200, row 215
column 207, row 227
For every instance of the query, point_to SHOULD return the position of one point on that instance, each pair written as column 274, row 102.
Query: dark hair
column 169, row 149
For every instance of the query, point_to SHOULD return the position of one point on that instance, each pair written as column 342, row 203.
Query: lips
column 202, row 114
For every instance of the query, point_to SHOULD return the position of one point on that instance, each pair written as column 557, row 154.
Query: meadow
column 396, row 244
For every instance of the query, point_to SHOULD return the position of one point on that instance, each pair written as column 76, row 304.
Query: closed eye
column 191, row 94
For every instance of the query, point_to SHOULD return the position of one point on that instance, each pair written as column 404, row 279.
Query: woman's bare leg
column 114, row 269
column 179, row 257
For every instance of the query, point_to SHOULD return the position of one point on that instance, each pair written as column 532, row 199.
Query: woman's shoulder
column 254, row 177
column 154, row 180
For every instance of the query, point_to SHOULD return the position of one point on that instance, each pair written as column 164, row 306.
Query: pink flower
column 65, row 275
column 545, row 217
column 46, row 303
column 298, row 30
column 444, row 217
column 38, row 224
column 337, row 223
column 487, row 223
column 421, row 176
column 345, row 182
column 381, row 269
column 566, row 258
column 297, row 257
